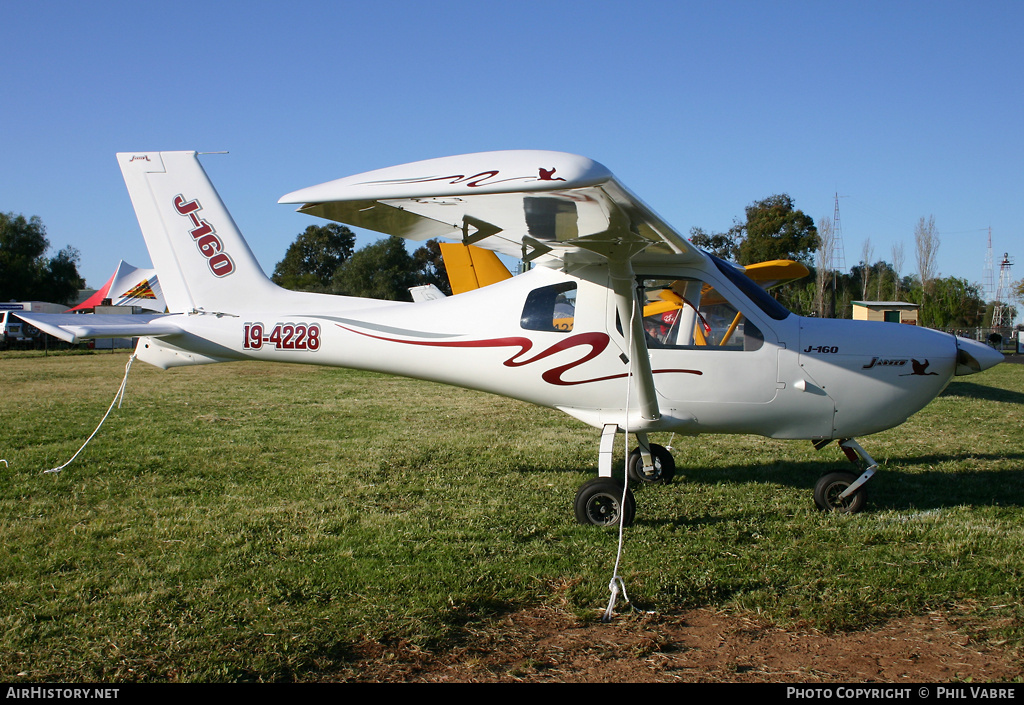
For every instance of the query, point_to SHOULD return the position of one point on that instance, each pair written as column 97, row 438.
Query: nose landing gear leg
column 844, row 492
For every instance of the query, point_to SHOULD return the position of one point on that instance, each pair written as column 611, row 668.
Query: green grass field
column 254, row 522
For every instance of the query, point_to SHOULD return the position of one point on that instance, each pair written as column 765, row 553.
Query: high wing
column 73, row 327
column 526, row 204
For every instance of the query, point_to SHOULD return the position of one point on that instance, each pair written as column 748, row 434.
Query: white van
column 13, row 330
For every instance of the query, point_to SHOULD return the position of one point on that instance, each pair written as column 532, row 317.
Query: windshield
column 682, row 312
column 759, row 296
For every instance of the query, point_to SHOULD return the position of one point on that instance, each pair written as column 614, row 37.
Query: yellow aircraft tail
column 471, row 267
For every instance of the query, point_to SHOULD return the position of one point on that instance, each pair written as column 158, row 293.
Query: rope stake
column 615, row 586
column 117, row 400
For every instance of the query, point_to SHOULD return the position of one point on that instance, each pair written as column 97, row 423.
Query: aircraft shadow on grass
column 983, row 392
column 894, row 488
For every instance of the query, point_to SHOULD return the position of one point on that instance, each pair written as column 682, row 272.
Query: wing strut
column 624, row 287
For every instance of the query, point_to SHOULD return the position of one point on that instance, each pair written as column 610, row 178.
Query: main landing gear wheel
column 599, row 502
column 830, row 486
column 663, row 470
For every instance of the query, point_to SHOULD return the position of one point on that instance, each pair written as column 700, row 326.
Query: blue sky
column 905, row 109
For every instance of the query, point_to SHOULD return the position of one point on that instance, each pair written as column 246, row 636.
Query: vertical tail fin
column 200, row 256
column 470, row 267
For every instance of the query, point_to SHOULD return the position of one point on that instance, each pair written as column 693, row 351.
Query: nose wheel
column 830, row 493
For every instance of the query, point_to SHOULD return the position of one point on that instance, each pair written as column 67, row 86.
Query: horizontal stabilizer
column 76, row 327
column 427, row 292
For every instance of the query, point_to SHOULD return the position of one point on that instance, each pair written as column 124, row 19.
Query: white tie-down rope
column 117, row 400
column 617, row 584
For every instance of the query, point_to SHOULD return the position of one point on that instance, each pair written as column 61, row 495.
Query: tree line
column 775, row 229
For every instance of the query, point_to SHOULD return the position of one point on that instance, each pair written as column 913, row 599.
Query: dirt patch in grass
column 545, row 645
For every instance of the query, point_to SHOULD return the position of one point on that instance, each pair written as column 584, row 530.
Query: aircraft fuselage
column 795, row 378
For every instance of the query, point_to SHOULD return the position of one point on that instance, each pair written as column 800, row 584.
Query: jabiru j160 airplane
column 619, row 321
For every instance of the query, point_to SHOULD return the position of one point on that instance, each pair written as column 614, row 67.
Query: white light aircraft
column 620, row 322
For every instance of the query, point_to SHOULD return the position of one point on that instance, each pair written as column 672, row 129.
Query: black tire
column 664, row 466
column 599, row 502
column 830, row 486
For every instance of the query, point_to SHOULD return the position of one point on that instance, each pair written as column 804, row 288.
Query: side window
column 550, row 308
column 690, row 313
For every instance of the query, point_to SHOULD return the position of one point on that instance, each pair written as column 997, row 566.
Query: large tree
column 951, row 302
column 723, row 245
column 926, row 249
column 897, row 269
column 383, row 270
column 314, row 257
column 25, row 271
column 61, row 279
column 430, row 268
column 866, row 269
column 824, row 277
column 775, row 229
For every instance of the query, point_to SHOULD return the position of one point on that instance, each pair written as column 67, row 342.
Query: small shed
column 888, row 311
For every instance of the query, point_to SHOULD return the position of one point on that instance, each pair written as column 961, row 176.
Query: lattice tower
column 1001, row 309
column 838, row 263
column 990, row 278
